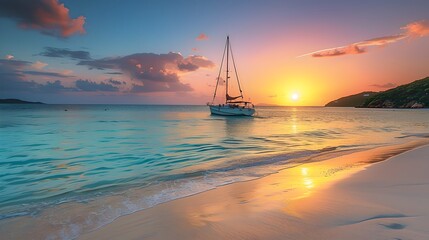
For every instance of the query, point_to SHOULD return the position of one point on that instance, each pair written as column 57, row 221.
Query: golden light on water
column 308, row 182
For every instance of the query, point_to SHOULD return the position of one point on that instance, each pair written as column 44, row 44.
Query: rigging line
column 220, row 71
column 236, row 73
column 227, row 69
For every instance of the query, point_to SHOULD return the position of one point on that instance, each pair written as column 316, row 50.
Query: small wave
column 13, row 215
column 113, row 121
column 8, row 125
column 407, row 135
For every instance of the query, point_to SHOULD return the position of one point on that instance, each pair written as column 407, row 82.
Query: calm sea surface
column 117, row 159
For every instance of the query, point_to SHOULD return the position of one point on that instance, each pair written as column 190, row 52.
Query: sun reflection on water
column 308, row 182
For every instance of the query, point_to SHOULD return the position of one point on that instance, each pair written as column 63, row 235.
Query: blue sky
column 267, row 37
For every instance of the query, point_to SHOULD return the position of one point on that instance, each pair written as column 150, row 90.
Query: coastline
column 332, row 198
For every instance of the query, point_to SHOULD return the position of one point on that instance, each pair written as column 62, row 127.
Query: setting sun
column 295, row 96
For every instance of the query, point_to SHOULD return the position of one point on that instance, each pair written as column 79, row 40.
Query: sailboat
column 234, row 105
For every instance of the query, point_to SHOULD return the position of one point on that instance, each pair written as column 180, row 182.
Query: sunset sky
column 302, row 53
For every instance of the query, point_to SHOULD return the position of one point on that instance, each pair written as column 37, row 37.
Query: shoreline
column 82, row 216
column 71, row 219
column 275, row 200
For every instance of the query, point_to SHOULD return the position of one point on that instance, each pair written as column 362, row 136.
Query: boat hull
column 230, row 111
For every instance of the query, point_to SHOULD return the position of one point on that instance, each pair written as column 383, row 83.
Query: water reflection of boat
column 234, row 105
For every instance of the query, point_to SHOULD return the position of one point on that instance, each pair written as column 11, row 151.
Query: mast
column 227, row 69
column 220, row 72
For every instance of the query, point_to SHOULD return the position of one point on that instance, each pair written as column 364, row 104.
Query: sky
column 293, row 53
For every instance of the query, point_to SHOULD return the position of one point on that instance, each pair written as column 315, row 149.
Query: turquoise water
column 124, row 158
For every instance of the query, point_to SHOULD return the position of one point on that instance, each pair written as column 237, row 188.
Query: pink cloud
column 414, row 29
column 47, row 16
column 381, row 41
column 351, row 49
column 199, row 61
column 386, row 85
column 202, row 37
column 9, row 57
column 153, row 72
column 39, row 65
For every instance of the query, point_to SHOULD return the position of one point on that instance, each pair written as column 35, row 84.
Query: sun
column 294, row 96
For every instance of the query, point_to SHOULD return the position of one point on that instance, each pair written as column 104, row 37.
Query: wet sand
column 361, row 195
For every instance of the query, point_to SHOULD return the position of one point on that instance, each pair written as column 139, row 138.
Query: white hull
column 226, row 110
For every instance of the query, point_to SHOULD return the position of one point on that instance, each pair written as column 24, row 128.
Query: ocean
column 73, row 168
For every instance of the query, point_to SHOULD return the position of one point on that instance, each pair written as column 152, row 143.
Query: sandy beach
column 360, row 195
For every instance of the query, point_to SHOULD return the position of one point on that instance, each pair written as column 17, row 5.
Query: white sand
column 389, row 200
column 340, row 198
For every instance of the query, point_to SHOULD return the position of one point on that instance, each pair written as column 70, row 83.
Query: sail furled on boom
column 231, row 98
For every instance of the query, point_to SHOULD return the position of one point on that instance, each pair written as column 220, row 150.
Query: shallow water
column 117, row 159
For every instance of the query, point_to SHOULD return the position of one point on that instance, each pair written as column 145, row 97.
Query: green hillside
column 412, row 95
column 352, row 100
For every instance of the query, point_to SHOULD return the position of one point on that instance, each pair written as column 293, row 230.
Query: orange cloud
column 202, row 37
column 48, row 16
column 414, row 29
column 417, row 29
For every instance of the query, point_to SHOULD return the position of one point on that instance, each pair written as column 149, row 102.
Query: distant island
column 266, row 105
column 17, row 101
column 411, row 95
